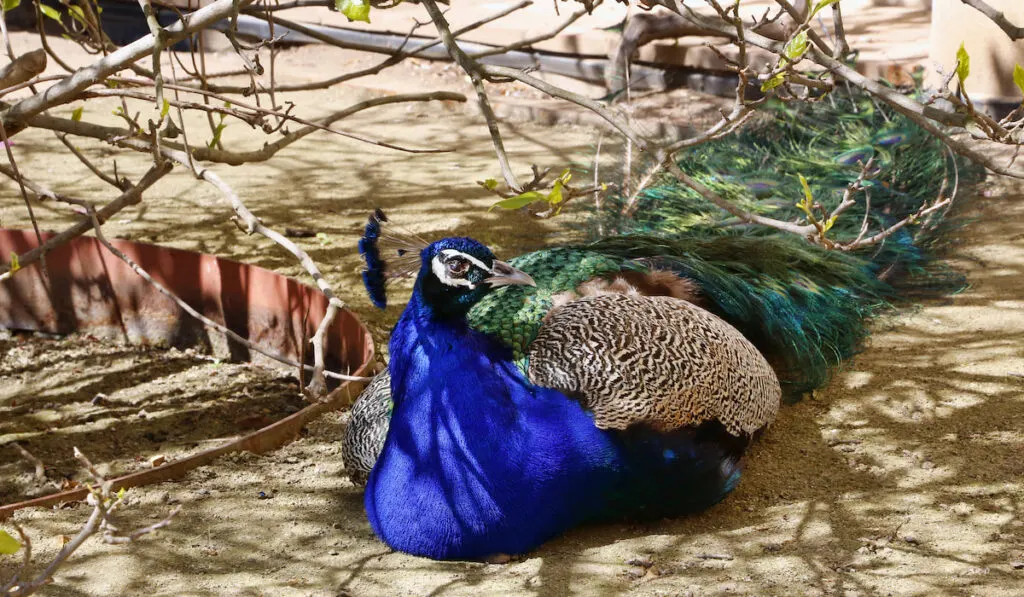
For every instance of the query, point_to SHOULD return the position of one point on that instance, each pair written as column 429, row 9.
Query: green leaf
column 355, row 10
column 8, row 545
column 807, row 189
column 1018, row 77
column 165, row 109
column 121, row 492
column 555, row 196
column 772, row 83
column 490, row 184
column 521, row 200
column 796, row 47
column 77, row 13
column 10, row 5
column 76, row 114
column 822, row 4
column 15, row 265
column 50, row 12
column 829, row 223
column 963, row 64
column 807, row 202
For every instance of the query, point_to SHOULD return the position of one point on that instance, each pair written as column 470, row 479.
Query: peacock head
column 454, row 273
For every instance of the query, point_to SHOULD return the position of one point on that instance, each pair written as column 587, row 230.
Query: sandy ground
column 125, row 407
column 903, row 477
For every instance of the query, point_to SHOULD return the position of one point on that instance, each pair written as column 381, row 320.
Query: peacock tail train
column 759, row 168
column 804, row 306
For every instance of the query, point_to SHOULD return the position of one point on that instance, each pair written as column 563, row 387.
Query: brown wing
column 656, row 360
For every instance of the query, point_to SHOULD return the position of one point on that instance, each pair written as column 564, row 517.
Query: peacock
column 624, row 377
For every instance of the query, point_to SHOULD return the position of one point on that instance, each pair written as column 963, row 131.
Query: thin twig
column 129, row 197
column 142, row 273
column 842, row 46
column 996, row 16
column 26, row 559
column 40, row 469
column 119, row 184
column 21, row 183
column 82, row 78
column 530, row 41
column 123, row 137
column 104, row 502
column 473, row 69
column 158, row 45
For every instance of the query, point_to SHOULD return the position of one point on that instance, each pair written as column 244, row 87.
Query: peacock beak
column 503, row 274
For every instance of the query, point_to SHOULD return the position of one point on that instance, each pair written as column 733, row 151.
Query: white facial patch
column 437, row 265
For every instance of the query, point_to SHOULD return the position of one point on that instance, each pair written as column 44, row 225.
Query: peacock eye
column 457, row 267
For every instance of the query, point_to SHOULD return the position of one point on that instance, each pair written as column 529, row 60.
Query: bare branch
column 21, row 183
column 129, row 197
column 40, row 470
column 123, row 137
column 158, row 45
column 996, row 16
column 104, row 502
column 839, row 28
column 473, row 69
column 252, row 224
column 525, row 43
column 69, row 88
column 26, row 559
column 609, row 115
column 884, row 234
column 804, row 230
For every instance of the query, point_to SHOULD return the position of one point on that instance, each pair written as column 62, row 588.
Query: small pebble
column 264, row 495
column 911, row 540
column 1017, row 565
column 642, row 561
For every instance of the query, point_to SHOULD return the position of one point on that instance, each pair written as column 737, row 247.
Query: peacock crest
column 389, row 254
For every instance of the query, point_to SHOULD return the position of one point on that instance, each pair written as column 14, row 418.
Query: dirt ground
column 123, row 406
column 903, row 477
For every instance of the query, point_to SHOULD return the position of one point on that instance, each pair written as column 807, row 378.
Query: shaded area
column 903, row 477
column 122, row 406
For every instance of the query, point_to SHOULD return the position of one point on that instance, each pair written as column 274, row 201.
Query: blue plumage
column 471, row 442
column 478, row 461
